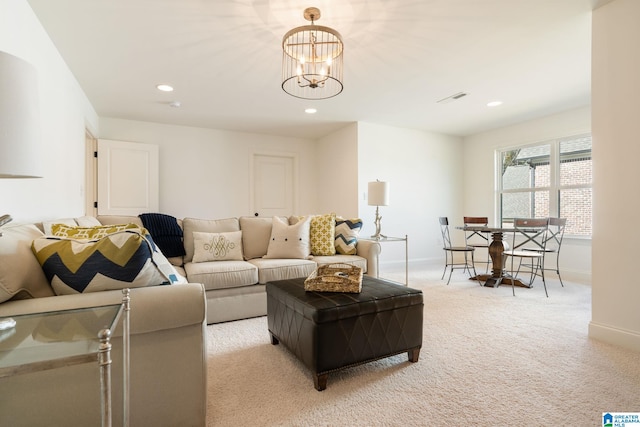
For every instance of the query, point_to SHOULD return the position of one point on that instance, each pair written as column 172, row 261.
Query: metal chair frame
column 478, row 239
column 554, row 238
column 532, row 232
column 450, row 250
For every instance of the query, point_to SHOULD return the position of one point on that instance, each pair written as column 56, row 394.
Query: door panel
column 274, row 184
column 127, row 178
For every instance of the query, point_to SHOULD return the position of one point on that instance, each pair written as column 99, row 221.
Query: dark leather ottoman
column 329, row 331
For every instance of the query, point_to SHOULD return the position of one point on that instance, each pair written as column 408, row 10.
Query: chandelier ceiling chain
column 312, row 60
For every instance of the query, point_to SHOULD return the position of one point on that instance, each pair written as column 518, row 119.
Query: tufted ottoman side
column 328, row 331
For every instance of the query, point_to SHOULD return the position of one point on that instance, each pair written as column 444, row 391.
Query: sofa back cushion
column 256, row 232
column 20, row 273
column 189, row 225
column 119, row 219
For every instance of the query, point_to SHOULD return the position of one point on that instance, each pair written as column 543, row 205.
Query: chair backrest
column 476, row 237
column 530, row 232
column 556, row 233
column 444, row 229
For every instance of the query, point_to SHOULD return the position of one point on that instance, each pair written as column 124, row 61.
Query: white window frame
column 554, row 188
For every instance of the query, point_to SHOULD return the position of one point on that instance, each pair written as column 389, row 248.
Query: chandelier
column 312, row 60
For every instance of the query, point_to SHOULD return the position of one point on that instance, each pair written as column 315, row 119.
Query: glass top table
column 54, row 339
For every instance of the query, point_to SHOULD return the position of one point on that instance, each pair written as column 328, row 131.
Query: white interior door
column 273, row 184
column 91, row 175
column 127, row 178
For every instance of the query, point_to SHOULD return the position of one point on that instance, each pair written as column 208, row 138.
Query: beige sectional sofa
column 168, row 323
column 236, row 289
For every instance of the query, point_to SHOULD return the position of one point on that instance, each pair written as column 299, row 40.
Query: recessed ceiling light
column 310, row 110
column 165, row 88
column 494, row 103
column 175, row 104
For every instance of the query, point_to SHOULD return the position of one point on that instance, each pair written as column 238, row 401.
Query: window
column 553, row 178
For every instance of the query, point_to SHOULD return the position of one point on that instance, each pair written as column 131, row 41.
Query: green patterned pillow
column 347, row 231
column 322, row 234
column 90, row 233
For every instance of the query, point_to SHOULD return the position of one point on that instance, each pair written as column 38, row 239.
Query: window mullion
column 554, row 190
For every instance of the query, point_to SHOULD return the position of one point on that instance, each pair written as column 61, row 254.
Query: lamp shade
column 19, row 119
column 378, row 193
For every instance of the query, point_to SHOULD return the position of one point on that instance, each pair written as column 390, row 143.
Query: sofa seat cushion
column 356, row 260
column 280, row 269
column 222, row 274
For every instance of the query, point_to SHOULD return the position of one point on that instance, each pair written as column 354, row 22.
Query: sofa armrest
column 369, row 250
column 168, row 371
column 153, row 308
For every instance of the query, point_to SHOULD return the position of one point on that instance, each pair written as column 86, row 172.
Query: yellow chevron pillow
column 124, row 259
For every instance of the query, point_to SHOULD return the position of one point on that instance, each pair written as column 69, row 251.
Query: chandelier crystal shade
column 312, row 60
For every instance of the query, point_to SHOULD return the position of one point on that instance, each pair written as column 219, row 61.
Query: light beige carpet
column 488, row 359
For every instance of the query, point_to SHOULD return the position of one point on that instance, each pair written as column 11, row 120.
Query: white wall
column 425, row 177
column 616, row 127
column 337, row 172
column 479, row 175
column 204, row 173
column 65, row 112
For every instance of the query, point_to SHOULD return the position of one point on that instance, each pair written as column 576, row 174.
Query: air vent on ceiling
column 452, row 98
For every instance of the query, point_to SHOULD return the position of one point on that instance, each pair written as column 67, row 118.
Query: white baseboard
column 616, row 336
column 583, row 277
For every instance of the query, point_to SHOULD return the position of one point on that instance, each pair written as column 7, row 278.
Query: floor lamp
column 378, row 195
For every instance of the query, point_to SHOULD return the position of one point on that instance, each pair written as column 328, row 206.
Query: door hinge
column 95, row 154
column 95, row 205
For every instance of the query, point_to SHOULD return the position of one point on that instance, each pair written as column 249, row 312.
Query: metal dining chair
column 451, row 250
column 528, row 244
column 554, row 243
column 478, row 239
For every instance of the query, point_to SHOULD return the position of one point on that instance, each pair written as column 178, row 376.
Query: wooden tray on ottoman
column 335, row 278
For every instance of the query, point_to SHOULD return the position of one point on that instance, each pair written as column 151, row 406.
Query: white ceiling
column 401, row 56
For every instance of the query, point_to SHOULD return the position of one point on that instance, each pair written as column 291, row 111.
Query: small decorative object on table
column 335, row 278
